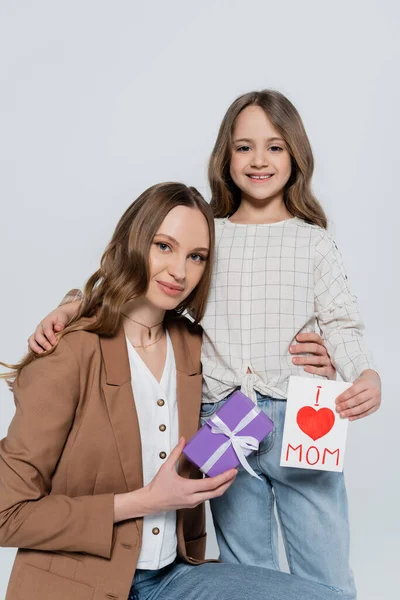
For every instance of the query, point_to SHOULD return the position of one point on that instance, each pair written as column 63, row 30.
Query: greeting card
column 314, row 435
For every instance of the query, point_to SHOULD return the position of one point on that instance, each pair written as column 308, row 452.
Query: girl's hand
column 169, row 491
column 361, row 399
column 319, row 362
column 44, row 338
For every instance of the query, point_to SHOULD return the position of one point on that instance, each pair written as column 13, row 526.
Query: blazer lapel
column 189, row 384
column 188, row 387
column 121, row 407
column 120, row 402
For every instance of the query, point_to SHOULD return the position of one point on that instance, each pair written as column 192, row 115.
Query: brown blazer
column 73, row 443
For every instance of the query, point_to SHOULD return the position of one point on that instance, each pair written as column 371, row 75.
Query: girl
column 90, row 490
column 277, row 274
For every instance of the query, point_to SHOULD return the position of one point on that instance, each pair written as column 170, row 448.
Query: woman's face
column 178, row 257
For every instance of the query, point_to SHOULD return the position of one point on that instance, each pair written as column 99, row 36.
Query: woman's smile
column 170, row 289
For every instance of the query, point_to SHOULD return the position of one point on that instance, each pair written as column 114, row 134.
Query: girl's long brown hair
column 298, row 197
column 124, row 267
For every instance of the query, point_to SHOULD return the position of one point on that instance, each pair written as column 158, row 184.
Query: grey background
column 102, row 99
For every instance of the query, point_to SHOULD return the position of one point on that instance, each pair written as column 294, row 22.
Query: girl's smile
column 259, row 178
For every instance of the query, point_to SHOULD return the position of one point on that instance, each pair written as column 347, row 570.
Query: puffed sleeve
column 71, row 296
column 47, row 393
column 337, row 312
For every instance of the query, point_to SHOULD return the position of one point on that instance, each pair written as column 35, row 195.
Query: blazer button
column 155, row 531
column 162, row 455
column 160, row 402
column 162, row 428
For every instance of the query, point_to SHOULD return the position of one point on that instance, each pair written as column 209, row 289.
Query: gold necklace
column 147, row 345
column 142, row 324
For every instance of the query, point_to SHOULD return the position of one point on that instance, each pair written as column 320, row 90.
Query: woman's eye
column 276, row 148
column 243, row 148
column 197, row 257
column 162, row 246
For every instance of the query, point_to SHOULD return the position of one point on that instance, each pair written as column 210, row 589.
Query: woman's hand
column 172, row 492
column 44, row 338
column 319, row 361
column 361, row 399
column 169, row 491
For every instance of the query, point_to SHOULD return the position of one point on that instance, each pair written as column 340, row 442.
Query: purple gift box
column 205, row 443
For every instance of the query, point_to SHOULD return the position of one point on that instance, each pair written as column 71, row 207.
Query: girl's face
column 260, row 161
column 178, row 257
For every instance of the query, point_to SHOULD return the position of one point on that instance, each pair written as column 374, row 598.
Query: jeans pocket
column 133, row 595
column 208, row 409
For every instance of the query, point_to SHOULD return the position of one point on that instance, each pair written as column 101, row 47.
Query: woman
column 92, row 495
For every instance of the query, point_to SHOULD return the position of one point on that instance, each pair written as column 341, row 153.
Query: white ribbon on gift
column 242, row 444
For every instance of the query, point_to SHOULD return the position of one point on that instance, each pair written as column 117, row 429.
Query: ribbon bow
column 242, row 444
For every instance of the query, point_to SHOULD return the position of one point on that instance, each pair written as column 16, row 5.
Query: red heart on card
column 315, row 423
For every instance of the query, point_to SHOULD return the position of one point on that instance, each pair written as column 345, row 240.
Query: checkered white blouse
column 271, row 282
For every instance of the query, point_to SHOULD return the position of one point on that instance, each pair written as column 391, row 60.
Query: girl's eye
column 197, row 257
column 243, row 148
column 276, row 148
column 163, row 247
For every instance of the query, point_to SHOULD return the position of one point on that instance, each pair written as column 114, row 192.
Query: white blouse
column 271, row 282
column 157, row 411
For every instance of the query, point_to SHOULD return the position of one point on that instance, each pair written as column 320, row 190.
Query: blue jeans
column 312, row 510
column 213, row 581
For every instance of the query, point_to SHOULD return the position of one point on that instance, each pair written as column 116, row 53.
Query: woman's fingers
column 213, row 483
column 207, row 485
column 172, row 491
column 215, row 491
column 199, row 490
column 173, row 458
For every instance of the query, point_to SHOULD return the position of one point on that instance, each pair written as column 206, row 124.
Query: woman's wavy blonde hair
column 298, row 197
column 124, row 267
